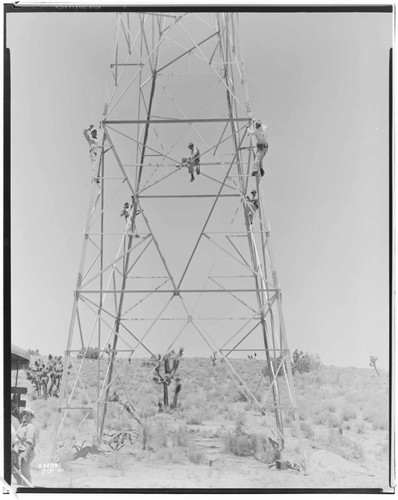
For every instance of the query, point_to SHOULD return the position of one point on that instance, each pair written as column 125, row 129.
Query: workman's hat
column 258, row 123
column 190, row 145
column 126, row 204
column 28, row 410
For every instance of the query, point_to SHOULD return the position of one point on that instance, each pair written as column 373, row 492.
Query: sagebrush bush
column 377, row 415
column 304, row 362
column 344, row 446
column 246, row 445
column 238, row 444
column 307, row 430
column 195, row 417
column 333, row 420
column 195, row 455
column 349, row 413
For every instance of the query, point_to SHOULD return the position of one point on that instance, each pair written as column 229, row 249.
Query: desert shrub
column 307, row 430
column 275, row 365
column 246, row 445
column 172, row 455
column 157, row 434
column 195, row 455
column 360, row 428
column 288, row 417
column 377, row 415
column 349, row 412
column 238, row 444
column 240, row 420
column 321, row 418
column 147, row 411
column 304, row 362
column 64, row 456
column 333, row 420
column 345, row 447
column 196, row 398
column 195, row 417
column 154, row 435
column 89, row 353
column 180, row 436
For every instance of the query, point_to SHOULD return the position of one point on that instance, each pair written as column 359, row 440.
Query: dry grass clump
column 195, row 455
column 242, row 444
column 377, row 414
column 169, row 442
column 344, row 446
column 333, row 420
column 349, row 412
column 195, row 417
column 307, row 430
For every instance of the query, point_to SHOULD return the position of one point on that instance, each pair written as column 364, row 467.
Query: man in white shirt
column 128, row 213
column 260, row 132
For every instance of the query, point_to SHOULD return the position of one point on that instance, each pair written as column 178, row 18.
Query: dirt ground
column 132, row 467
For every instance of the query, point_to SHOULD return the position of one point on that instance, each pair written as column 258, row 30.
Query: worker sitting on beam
column 192, row 162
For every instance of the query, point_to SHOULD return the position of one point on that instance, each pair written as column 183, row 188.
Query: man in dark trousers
column 177, row 392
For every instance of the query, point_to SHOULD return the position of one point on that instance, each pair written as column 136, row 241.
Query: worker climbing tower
column 188, row 261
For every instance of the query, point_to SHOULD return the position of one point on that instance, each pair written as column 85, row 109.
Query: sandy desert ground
column 208, row 442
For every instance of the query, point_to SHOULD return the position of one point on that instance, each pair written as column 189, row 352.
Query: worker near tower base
column 260, row 132
column 25, row 442
column 252, row 204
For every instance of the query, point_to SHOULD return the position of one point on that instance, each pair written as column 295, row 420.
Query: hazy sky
column 319, row 81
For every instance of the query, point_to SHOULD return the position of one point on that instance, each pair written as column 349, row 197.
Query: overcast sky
column 319, row 81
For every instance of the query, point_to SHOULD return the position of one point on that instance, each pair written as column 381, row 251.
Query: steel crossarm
column 247, row 266
column 148, row 59
column 232, row 294
column 146, row 296
column 205, row 224
column 118, row 259
column 106, row 341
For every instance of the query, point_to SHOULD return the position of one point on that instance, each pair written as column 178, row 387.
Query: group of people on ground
column 192, row 162
column 23, row 441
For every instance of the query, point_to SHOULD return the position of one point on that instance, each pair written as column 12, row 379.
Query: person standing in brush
column 25, row 442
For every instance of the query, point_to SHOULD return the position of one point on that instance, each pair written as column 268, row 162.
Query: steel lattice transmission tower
column 199, row 272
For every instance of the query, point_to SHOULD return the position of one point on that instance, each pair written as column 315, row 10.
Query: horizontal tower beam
column 223, row 290
column 176, row 120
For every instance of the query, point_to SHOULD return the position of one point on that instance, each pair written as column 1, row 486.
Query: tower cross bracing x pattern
column 192, row 262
